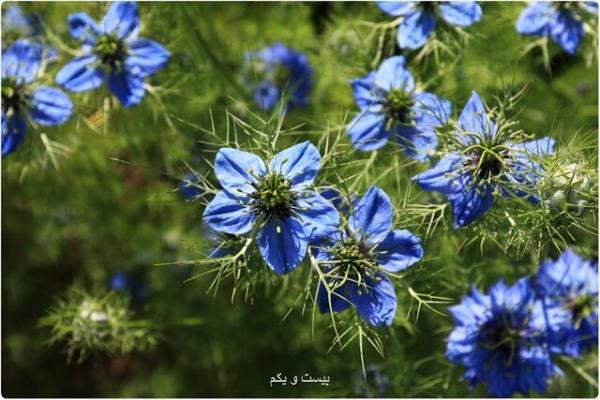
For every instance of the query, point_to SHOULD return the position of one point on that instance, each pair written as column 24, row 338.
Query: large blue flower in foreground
column 355, row 261
column 281, row 72
column 113, row 52
column 22, row 98
column 390, row 106
column 419, row 18
column 487, row 164
column 502, row 339
column 571, row 282
column 561, row 21
column 277, row 202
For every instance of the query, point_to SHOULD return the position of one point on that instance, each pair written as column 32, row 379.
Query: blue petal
column 266, row 95
column 237, row 170
column 22, row 61
column 146, row 57
column 299, row 163
column 81, row 74
column 318, row 216
column 50, row 106
column 535, row 19
column 339, row 299
column 83, row 28
column 590, row 6
column 460, row 13
column 443, row 176
column 127, row 87
column 470, row 203
column 399, row 250
column 539, row 147
column 372, row 216
column 566, row 31
column 430, row 111
column 364, row 92
column 282, row 244
column 415, row 30
column 367, row 131
column 397, row 8
column 228, row 214
column 418, row 145
column 122, row 18
column 13, row 133
column 393, row 74
column 474, row 120
column 377, row 306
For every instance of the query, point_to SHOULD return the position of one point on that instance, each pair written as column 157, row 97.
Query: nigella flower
column 188, row 186
column 501, row 339
column 571, row 282
column 561, row 21
column 276, row 202
column 18, row 25
column 113, row 52
column 282, row 72
column 390, row 105
column 419, row 18
column 355, row 261
column 22, row 98
column 486, row 165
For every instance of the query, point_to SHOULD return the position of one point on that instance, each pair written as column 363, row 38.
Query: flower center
column 486, row 163
column 582, row 307
column 502, row 337
column 14, row 95
column 399, row 107
column 354, row 262
column 273, row 196
column 428, row 6
column 111, row 50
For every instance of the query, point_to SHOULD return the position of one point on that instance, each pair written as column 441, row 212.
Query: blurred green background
column 109, row 204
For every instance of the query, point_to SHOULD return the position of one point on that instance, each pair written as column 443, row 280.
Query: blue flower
column 188, row 187
column 22, row 98
column 276, row 202
column 502, row 339
column 355, row 261
column 571, row 283
column 487, row 164
column 560, row 21
column 281, row 72
column 112, row 51
column 121, row 281
column 419, row 18
column 390, row 105
column 17, row 25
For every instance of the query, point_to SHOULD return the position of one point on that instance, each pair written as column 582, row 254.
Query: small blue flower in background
column 390, row 105
column 419, row 18
column 502, row 339
column 277, row 201
column 571, row 282
column 15, row 22
column 112, row 52
column 560, row 21
column 374, row 385
column 188, row 186
column 355, row 261
column 282, row 72
column 17, row 25
column 22, row 98
column 125, row 282
column 486, row 165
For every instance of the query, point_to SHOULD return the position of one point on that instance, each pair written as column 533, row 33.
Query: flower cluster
column 507, row 338
column 111, row 50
